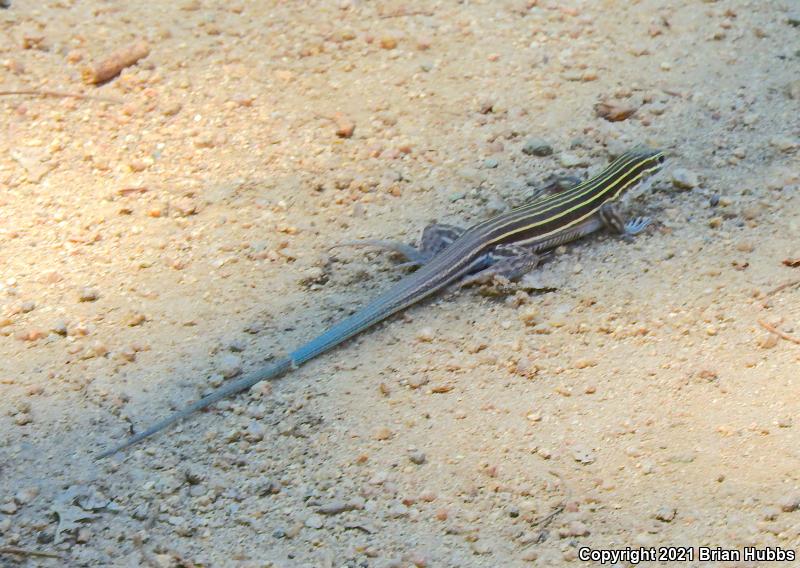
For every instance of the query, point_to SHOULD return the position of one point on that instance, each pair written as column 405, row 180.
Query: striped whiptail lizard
column 507, row 245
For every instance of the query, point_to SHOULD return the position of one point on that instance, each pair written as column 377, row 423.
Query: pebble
column 750, row 213
column 127, row 354
column 88, row 295
column 793, row 89
column 230, row 365
column 480, row 548
column 171, row 108
column 9, row 508
column 424, row 43
column 684, row 179
column 314, row 522
column 495, row 206
column 644, row 540
column 657, row 109
column 25, row 496
column 137, row 165
column 417, row 381
column 382, row 434
column 417, row 457
column 23, row 418
column 574, row 528
column 790, row 503
column 584, row 363
column 537, row 147
column 495, row 147
column 525, row 367
column 30, row 334
column 425, row 334
column 255, row 432
column 568, row 160
column 529, row 315
column 388, row 42
column 379, row 478
column 666, row 514
column 584, row 456
column 614, row 111
column 569, row 555
column 485, row 106
column 83, row 536
column 184, row 206
column 750, row 119
column 335, row 508
column 204, row 140
column 770, row 513
column 784, row 143
column 344, row 126
column 135, row 318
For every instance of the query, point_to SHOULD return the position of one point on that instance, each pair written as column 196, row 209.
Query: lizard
column 508, row 245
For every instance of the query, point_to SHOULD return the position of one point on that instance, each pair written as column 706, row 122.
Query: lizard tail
column 269, row 372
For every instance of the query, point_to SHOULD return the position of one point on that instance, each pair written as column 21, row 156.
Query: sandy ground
column 626, row 394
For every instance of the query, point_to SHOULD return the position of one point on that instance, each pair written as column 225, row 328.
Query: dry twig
column 780, row 288
column 60, row 94
column 26, row 552
column 544, row 521
column 783, row 287
column 772, row 329
column 401, row 13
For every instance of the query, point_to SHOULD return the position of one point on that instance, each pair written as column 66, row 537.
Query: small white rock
column 314, row 522
column 425, row 334
column 230, row 365
column 684, row 179
column 569, row 160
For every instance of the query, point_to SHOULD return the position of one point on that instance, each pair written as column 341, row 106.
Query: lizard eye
column 661, row 159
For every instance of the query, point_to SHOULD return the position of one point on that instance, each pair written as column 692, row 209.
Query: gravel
column 140, row 238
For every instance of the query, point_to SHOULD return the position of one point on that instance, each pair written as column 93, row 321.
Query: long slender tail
column 266, row 373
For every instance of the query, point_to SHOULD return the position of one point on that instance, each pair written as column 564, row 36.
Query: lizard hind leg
column 435, row 238
column 413, row 256
column 438, row 236
column 506, row 261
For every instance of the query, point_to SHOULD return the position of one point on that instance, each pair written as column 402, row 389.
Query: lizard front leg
column 613, row 219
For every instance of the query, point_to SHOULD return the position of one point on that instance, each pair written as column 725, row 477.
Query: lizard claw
column 636, row 226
